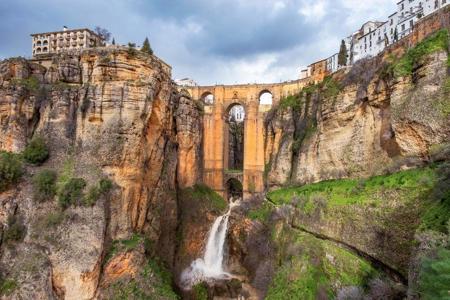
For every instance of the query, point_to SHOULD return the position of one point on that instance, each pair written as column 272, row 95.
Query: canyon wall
column 358, row 123
column 107, row 112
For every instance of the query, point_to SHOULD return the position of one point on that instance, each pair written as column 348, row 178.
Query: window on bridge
column 265, row 98
column 234, row 189
column 235, row 144
column 208, row 98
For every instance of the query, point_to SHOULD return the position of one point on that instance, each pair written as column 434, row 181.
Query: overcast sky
column 211, row 41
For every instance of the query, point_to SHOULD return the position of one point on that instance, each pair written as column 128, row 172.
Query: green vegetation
column 314, row 269
column 437, row 211
column 131, row 51
column 200, row 291
column 434, row 276
column 201, row 192
column 163, row 287
column 342, row 56
column 153, row 283
column 71, row 192
column 31, row 83
column 146, row 48
column 44, row 185
column 36, row 151
column 352, row 191
column 53, row 219
column 103, row 187
column 293, row 102
column 330, row 87
column 430, row 184
column 7, row 286
column 262, row 213
column 15, row 231
column 404, row 66
column 123, row 245
column 444, row 103
column 10, row 169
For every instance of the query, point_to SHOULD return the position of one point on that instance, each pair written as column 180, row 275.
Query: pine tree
column 342, row 56
column 113, row 41
column 146, row 47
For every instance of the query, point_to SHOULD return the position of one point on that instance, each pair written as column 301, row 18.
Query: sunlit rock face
column 371, row 124
column 110, row 113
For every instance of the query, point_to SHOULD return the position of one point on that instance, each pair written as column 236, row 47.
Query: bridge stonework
column 215, row 131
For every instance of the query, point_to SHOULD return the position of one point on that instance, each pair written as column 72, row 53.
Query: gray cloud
column 212, row 41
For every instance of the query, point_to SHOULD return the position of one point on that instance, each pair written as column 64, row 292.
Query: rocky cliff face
column 359, row 123
column 104, row 113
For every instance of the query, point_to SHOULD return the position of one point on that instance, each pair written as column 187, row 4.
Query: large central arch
column 257, row 99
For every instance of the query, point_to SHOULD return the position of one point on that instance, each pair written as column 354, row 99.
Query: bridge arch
column 234, row 137
column 265, row 97
column 234, row 189
column 207, row 98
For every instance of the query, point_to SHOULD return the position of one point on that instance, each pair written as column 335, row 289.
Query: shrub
column 103, row 187
column 44, row 185
column 54, row 218
column 16, row 229
column 71, row 192
column 434, row 279
column 10, row 169
column 36, row 151
column 405, row 65
column 7, row 286
column 200, row 291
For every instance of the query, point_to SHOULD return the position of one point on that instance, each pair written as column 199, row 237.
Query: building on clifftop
column 59, row 41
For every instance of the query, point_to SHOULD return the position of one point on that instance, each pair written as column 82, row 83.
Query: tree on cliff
column 103, row 33
column 342, row 56
column 146, row 48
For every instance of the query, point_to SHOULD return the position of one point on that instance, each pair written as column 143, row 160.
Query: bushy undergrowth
column 15, row 230
column 429, row 185
column 10, row 169
column 434, row 276
column 353, row 191
column 204, row 193
column 44, row 185
column 7, row 286
column 404, row 66
column 36, row 152
column 261, row 213
column 307, row 272
column 94, row 193
column 71, row 192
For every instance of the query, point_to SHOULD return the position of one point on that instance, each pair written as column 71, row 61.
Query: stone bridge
column 218, row 101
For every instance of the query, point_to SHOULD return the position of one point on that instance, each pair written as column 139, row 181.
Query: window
column 444, row 1
column 403, row 27
column 436, row 4
column 411, row 23
column 392, row 21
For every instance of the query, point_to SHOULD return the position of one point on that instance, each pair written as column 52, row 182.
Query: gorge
column 118, row 184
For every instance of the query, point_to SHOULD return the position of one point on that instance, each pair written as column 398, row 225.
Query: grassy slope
column 309, row 267
column 408, row 187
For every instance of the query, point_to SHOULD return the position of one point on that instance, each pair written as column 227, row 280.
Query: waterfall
column 211, row 265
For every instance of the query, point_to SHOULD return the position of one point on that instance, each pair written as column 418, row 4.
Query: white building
column 237, row 113
column 58, row 41
column 185, row 82
column 305, row 73
column 332, row 63
column 373, row 37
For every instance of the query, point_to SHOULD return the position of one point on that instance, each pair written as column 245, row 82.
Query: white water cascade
column 211, row 265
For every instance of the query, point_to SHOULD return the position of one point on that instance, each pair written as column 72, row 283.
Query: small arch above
column 235, row 112
column 234, row 189
column 265, row 97
column 208, row 98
